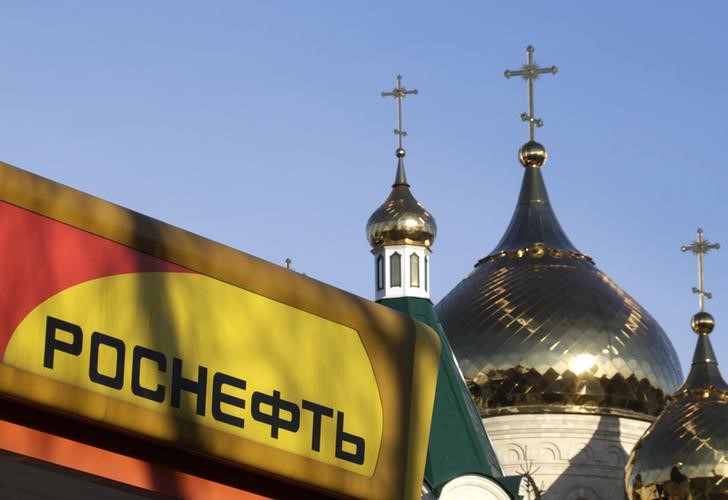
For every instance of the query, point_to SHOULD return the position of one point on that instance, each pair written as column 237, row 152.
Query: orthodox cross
column 700, row 247
column 530, row 72
column 399, row 92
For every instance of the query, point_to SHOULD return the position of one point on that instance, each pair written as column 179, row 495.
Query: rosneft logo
column 224, row 406
column 190, row 346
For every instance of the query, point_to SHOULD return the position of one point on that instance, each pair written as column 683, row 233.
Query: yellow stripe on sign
column 196, row 348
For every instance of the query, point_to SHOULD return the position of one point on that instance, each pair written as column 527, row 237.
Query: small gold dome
column 532, row 154
column 702, row 323
column 684, row 451
column 401, row 219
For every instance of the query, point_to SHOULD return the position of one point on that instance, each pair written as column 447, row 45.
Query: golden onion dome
column 684, row 454
column 401, row 219
column 537, row 327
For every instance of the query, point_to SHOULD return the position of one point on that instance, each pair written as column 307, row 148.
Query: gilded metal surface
column 537, row 327
column 700, row 247
column 702, row 323
column 532, row 154
column 684, row 454
column 704, row 373
column 401, row 219
column 687, row 446
column 536, row 251
column 530, row 72
column 534, row 225
column 547, row 332
column 399, row 92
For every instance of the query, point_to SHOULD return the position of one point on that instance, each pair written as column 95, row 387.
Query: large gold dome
column 686, row 448
column 401, row 219
column 538, row 327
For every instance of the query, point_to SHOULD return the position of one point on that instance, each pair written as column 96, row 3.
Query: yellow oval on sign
column 196, row 348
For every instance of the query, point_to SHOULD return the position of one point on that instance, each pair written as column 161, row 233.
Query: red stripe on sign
column 39, row 257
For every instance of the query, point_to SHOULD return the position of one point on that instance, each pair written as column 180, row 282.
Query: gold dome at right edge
column 684, row 453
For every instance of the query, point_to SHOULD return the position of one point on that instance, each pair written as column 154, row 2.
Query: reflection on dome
column 538, row 327
column 401, row 219
column 582, row 363
column 537, row 332
column 687, row 448
column 684, row 454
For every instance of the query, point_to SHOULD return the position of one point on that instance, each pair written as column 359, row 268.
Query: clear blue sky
column 260, row 125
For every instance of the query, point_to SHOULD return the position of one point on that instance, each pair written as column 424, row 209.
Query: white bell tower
column 401, row 231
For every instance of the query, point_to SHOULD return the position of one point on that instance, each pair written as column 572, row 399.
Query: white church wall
column 570, row 456
column 472, row 487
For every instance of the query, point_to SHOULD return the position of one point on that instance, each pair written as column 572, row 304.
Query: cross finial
column 399, row 92
column 530, row 72
column 700, row 247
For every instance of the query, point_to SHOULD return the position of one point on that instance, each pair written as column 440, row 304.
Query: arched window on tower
column 414, row 270
column 395, row 269
column 380, row 272
column 427, row 266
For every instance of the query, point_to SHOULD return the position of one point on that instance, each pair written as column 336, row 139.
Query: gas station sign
column 133, row 324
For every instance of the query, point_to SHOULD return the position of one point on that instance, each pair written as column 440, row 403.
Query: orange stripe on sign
column 39, row 257
column 99, row 462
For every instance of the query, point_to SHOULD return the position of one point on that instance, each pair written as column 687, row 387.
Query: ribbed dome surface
column 537, row 327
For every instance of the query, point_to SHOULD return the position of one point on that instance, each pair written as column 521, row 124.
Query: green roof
column 458, row 442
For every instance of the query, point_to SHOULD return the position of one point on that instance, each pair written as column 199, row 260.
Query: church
column 566, row 369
